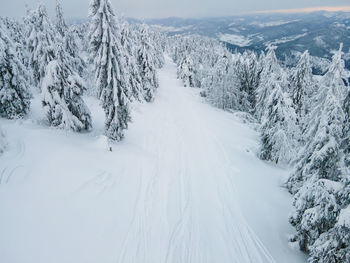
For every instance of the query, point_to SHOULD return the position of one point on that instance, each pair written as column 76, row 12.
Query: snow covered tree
column 278, row 131
column 158, row 41
column 185, row 71
column 110, row 67
column 302, row 85
column 14, row 89
column 133, row 75
column 247, row 70
column 271, row 72
column 62, row 91
column 319, row 175
column 16, row 33
column 41, row 42
column 147, row 65
column 61, row 26
column 68, row 37
column 332, row 246
column 222, row 87
column 316, row 211
column 322, row 153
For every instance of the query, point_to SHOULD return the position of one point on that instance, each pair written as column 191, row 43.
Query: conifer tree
column 247, row 70
column 318, row 176
column 41, row 42
column 278, row 132
column 147, row 65
column 62, row 91
column 14, row 88
column 67, row 37
column 61, row 26
column 322, row 153
column 302, row 85
column 185, row 71
column 132, row 75
column 316, row 211
column 271, row 72
column 109, row 66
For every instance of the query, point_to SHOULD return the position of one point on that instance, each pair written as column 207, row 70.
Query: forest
column 303, row 120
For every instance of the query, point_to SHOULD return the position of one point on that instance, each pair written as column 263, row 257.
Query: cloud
column 306, row 10
column 179, row 8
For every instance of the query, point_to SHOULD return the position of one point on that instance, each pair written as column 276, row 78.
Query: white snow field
column 184, row 186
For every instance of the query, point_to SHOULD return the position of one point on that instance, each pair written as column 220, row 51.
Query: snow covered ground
column 184, row 186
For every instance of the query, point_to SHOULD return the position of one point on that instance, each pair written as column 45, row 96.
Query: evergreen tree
column 271, row 72
column 109, row 67
column 185, row 71
column 14, row 89
column 61, row 26
column 147, row 65
column 278, row 132
column 68, row 37
column 62, row 91
column 248, row 72
column 16, row 33
column 302, row 85
column 332, row 246
column 133, row 75
column 316, row 211
column 223, row 90
column 321, row 154
column 319, row 173
column 41, row 42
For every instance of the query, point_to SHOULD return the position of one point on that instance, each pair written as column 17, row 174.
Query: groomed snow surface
column 184, row 186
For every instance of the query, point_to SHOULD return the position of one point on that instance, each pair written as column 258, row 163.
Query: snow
column 172, row 29
column 285, row 39
column 184, row 186
column 273, row 23
column 344, row 217
column 234, row 39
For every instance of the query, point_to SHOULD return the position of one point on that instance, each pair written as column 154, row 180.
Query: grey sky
column 166, row 8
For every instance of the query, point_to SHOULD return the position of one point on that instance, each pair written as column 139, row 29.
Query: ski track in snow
column 173, row 191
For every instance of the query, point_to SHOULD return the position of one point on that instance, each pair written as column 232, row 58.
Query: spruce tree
column 132, row 74
column 322, row 153
column 147, row 65
column 271, row 72
column 278, row 132
column 247, row 70
column 61, row 26
column 316, row 211
column 185, row 71
column 318, row 176
column 62, row 91
column 68, row 37
column 110, row 67
column 41, row 42
column 14, row 88
column 332, row 246
column 302, row 85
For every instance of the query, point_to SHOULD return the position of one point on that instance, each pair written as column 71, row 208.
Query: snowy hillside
column 319, row 32
column 184, row 186
column 119, row 143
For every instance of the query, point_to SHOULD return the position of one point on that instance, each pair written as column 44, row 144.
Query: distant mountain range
column 319, row 32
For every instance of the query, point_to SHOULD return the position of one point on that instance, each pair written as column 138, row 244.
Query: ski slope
column 184, row 186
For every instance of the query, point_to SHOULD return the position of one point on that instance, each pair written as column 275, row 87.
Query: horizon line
column 345, row 8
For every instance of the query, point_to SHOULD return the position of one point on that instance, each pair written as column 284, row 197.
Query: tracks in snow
column 186, row 210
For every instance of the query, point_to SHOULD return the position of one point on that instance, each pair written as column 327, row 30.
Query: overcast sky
column 167, row 8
